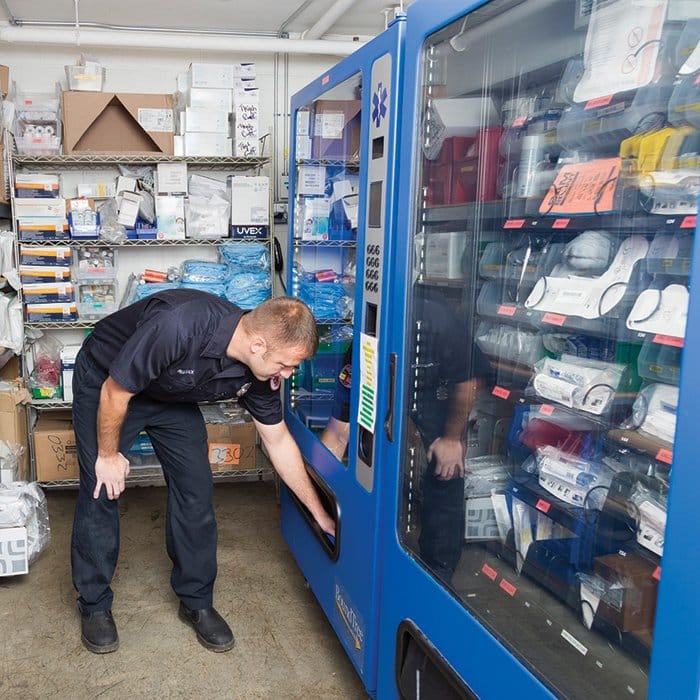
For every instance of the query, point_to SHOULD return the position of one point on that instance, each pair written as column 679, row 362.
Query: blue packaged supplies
column 204, row 271
column 145, row 290
column 217, row 289
column 241, row 254
column 249, row 289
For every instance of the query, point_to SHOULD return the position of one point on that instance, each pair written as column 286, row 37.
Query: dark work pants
column 179, row 438
column 442, row 523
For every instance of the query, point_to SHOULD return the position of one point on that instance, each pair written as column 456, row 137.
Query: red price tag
column 500, row 392
column 657, row 573
column 561, row 223
column 668, row 340
column 509, row 588
column 507, row 310
column 689, row 221
column 519, row 121
column 514, row 223
column 543, row 505
column 599, row 102
column 665, row 456
column 488, row 571
column 554, row 319
column 546, row 409
column 325, row 79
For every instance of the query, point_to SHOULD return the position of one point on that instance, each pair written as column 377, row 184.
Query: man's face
column 280, row 363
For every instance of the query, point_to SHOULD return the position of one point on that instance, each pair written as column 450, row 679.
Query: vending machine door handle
column 389, row 418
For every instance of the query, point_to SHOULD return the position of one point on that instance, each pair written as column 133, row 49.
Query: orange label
column 506, row 310
column 325, row 79
column 547, row 409
column 668, row 340
column 665, row 456
column 488, row 571
column 224, row 453
column 514, row 223
column 583, row 188
column 543, row 505
column 657, row 573
column 554, row 319
column 689, row 221
column 500, row 392
column 508, row 587
column 599, row 102
column 561, row 223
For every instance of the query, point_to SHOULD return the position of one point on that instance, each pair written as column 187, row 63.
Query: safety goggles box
column 170, row 213
column 250, row 206
column 30, row 274
column 37, row 186
column 55, row 450
column 14, row 547
column 54, row 256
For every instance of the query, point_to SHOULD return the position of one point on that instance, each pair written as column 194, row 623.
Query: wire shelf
column 91, row 159
column 298, row 242
column 141, row 242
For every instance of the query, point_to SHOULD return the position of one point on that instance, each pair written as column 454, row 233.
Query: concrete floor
column 285, row 647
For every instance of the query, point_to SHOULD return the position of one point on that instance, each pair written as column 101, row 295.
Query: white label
column 312, row 179
column 156, row 119
column 574, row 642
column 329, row 125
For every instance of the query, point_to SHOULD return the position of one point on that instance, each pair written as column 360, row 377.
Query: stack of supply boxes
column 44, row 271
column 217, row 111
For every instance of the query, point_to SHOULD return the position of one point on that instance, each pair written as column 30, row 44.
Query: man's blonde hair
column 284, row 322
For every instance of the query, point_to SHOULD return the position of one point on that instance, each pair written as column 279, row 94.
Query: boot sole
column 99, row 648
column 207, row 645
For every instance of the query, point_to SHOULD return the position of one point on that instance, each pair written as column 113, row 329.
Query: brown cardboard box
column 636, row 576
column 231, row 445
column 4, row 80
column 336, row 129
column 13, row 414
column 55, row 452
column 108, row 122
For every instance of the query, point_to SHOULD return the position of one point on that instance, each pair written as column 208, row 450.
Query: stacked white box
column 209, row 95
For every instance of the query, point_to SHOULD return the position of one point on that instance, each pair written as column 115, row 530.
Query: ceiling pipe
column 177, row 42
column 328, row 19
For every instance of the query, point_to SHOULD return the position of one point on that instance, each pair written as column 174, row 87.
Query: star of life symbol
column 379, row 108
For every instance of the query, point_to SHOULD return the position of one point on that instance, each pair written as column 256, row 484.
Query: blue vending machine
column 342, row 222
column 547, row 373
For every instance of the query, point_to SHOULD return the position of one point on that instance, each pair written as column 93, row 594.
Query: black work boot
column 212, row 630
column 99, row 633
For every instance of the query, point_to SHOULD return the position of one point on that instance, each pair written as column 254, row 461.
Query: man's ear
column 258, row 345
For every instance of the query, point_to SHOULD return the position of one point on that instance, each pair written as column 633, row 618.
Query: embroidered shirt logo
column 185, row 371
column 275, row 383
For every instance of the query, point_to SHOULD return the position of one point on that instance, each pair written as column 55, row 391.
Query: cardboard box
column 231, row 445
column 14, row 547
column 635, row 576
column 336, row 129
column 108, row 122
column 55, row 452
column 13, row 417
column 4, row 80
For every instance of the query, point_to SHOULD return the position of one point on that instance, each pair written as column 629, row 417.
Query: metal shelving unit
column 94, row 161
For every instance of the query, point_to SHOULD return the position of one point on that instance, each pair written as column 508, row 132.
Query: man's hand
column 326, row 523
column 449, row 457
column 111, row 473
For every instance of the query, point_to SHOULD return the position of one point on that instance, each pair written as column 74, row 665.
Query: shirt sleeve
column 263, row 402
column 153, row 347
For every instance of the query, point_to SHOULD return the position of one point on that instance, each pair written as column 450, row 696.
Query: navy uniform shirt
column 171, row 347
